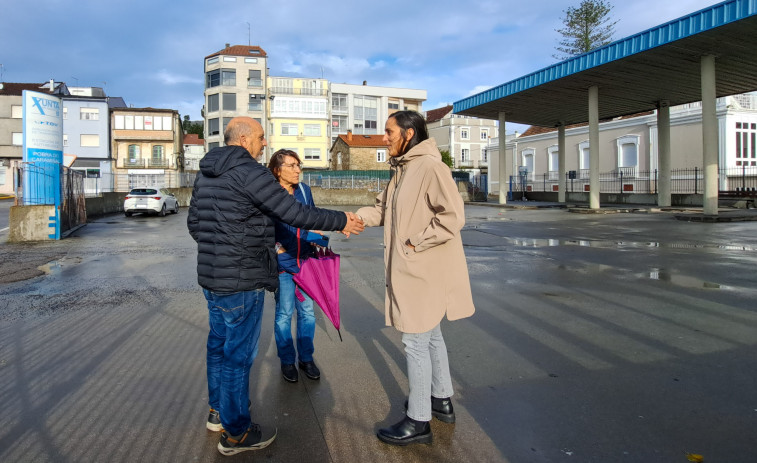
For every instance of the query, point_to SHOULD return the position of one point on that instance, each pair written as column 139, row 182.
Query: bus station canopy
column 658, row 66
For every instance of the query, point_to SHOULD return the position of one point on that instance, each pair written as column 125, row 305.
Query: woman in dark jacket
column 294, row 246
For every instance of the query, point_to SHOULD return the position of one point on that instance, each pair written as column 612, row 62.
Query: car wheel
column 128, row 214
column 175, row 208
column 162, row 212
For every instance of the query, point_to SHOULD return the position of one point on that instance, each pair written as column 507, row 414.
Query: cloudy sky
column 151, row 52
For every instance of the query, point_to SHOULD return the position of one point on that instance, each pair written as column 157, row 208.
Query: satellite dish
column 1, row 85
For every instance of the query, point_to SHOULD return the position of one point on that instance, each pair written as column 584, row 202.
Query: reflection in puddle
column 683, row 280
column 50, row 267
column 550, row 242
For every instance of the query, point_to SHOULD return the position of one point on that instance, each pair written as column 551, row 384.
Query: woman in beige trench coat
column 426, row 273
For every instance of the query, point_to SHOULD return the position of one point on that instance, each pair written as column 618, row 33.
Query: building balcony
column 465, row 164
column 299, row 91
column 145, row 163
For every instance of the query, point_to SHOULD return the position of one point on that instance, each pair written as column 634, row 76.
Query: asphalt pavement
column 626, row 337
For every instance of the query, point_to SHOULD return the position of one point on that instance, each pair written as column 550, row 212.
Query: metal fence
column 740, row 181
column 41, row 182
column 371, row 180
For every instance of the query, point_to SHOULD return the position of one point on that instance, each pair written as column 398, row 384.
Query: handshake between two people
column 354, row 225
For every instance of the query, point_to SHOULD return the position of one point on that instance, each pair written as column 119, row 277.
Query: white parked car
column 150, row 200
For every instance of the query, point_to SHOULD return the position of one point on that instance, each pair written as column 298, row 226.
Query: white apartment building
column 465, row 138
column 364, row 109
column 235, row 85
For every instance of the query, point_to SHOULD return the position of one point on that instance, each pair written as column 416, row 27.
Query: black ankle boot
column 441, row 409
column 407, row 431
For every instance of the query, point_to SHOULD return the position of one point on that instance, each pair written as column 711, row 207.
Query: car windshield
column 143, row 191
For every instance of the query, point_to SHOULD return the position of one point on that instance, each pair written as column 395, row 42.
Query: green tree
column 447, row 158
column 587, row 27
column 192, row 127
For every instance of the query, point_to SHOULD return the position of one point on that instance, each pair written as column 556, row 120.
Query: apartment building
column 363, row 109
column 235, row 85
column 147, row 147
column 86, row 135
column 11, row 124
column 465, row 138
column 194, row 150
column 299, row 119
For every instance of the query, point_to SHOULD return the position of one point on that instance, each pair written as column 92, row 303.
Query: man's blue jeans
column 286, row 303
column 232, row 346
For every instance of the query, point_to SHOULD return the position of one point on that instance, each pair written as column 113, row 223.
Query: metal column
column 709, row 136
column 503, row 178
column 663, row 154
column 561, row 171
column 594, row 147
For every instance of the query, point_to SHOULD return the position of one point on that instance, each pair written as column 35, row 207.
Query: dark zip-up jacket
column 231, row 217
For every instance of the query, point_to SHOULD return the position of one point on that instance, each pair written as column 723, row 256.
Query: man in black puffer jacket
column 234, row 202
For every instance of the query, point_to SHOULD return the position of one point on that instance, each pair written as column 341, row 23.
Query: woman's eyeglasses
column 293, row 165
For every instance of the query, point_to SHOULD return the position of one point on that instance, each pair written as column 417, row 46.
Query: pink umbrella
column 319, row 278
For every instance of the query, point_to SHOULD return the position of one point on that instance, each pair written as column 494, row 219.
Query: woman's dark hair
column 410, row 120
column 277, row 160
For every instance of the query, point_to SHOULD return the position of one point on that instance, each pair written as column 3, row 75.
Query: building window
column 464, row 155
column 339, row 124
column 17, row 111
column 339, row 102
column 628, row 154
column 139, row 122
column 464, row 133
column 289, row 129
column 312, row 130
column 393, row 105
column 255, row 103
column 89, row 140
column 129, row 122
column 226, row 121
column 484, row 134
column 213, row 126
column 3, row 173
column 230, row 59
column 213, row 103
column 365, row 110
column 251, row 60
column 553, row 161
column 221, row 77
column 212, row 60
column 65, row 140
column 133, row 154
column 65, row 113
column 312, row 154
column 584, row 157
column 746, row 144
column 381, row 155
column 18, row 138
column 89, row 114
column 212, row 145
column 527, row 162
column 484, row 155
column 254, row 79
column 157, row 153
column 119, row 122
column 229, row 101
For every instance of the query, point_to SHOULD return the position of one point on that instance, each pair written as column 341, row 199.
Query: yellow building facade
column 299, row 119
